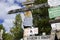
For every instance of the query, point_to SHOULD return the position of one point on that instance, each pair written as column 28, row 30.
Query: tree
column 17, row 30
column 41, row 18
column 8, row 36
column 1, row 27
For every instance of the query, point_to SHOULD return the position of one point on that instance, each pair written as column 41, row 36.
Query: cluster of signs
column 55, row 26
column 54, row 10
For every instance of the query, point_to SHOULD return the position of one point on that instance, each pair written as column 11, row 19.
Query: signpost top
column 28, row 2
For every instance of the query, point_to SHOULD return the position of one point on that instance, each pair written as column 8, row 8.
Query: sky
column 5, row 6
column 7, row 19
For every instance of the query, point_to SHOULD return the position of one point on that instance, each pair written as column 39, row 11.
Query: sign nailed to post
column 54, row 12
column 54, row 2
column 30, row 31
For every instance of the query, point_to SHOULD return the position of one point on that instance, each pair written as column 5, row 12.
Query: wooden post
column 28, row 15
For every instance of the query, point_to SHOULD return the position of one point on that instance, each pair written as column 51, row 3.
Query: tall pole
column 28, row 21
column 28, row 16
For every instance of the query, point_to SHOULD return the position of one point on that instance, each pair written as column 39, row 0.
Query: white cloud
column 8, row 23
column 4, row 8
column 8, row 19
column 3, row 11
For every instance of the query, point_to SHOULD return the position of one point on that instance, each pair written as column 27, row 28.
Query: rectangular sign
column 58, row 26
column 30, row 31
column 54, row 12
column 55, row 26
column 28, row 20
column 54, row 2
column 39, row 37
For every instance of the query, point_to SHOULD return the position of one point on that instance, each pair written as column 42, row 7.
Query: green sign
column 54, row 12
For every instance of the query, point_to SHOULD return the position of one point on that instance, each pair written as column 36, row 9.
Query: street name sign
column 54, row 12
column 46, row 37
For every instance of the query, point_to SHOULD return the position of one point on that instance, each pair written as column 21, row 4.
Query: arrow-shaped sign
column 28, row 8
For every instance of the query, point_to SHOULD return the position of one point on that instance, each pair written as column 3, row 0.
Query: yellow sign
column 28, row 13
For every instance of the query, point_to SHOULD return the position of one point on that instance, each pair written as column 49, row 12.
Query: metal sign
column 54, row 12
column 58, row 26
column 30, row 31
column 46, row 37
column 54, row 2
column 28, row 21
column 55, row 26
column 28, row 8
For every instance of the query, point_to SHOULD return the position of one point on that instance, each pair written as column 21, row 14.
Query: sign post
column 54, row 12
column 28, row 16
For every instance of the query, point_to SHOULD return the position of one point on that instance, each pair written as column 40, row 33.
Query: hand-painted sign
column 54, row 12
column 30, row 31
column 54, row 2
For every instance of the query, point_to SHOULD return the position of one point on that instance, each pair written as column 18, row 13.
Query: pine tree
column 41, row 18
column 17, row 30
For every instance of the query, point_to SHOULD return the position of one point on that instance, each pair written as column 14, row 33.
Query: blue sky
column 5, row 6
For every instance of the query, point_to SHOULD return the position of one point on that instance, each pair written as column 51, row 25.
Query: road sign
column 54, row 12
column 28, row 8
column 54, row 2
column 30, row 31
column 55, row 26
column 46, row 37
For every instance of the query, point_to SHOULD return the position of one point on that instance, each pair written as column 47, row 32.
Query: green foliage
column 41, row 18
column 1, row 27
column 17, row 30
column 8, row 36
column 40, row 1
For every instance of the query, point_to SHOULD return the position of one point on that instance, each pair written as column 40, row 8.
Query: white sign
column 30, row 31
column 55, row 26
column 39, row 37
column 34, row 31
column 28, row 21
column 58, row 26
column 26, row 32
column 54, row 2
